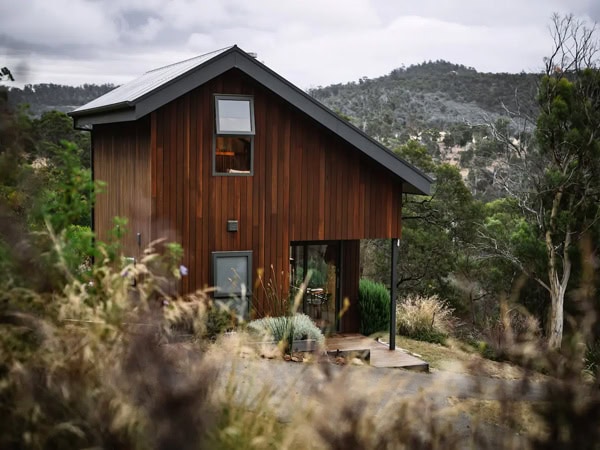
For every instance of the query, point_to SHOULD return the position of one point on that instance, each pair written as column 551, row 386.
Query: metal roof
column 151, row 80
column 158, row 87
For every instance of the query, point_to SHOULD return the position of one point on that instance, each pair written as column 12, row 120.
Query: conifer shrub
column 374, row 305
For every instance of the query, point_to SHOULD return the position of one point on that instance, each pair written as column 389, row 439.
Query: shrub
column 281, row 329
column 79, row 247
column 374, row 305
column 425, row 318
column 215, row 320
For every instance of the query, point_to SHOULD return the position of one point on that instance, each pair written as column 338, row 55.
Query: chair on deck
column 317, row 298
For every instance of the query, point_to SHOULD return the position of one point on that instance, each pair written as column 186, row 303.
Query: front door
column 320, row 261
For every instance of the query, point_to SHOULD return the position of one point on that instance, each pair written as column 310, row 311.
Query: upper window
column 234, row 135
column 235, row 115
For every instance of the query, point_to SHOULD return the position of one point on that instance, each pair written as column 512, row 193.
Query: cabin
column 259, row 182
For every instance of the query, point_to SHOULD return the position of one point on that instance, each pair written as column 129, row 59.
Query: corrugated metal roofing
column 148, row 82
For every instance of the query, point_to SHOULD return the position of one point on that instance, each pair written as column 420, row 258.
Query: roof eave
column 101, row 109
column 106, row 115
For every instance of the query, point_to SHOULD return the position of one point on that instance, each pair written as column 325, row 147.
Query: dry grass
column 424, row 318
column 458, row 357
column 102, row 372
column 518, row 416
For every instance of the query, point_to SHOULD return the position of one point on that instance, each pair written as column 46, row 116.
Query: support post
column 393, row 282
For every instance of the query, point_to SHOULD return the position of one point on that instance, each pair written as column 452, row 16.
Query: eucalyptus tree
column 555, row 181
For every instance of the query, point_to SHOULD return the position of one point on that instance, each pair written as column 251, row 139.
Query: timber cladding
column 308, row 184
column 122, row 161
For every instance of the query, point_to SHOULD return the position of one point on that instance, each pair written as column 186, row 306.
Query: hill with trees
column 48, row 96
column 429, row 95
column 433, row 94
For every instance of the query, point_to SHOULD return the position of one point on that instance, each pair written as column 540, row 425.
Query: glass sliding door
column 320, row 262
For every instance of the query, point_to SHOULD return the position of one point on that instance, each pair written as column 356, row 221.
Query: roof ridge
column 193, row 57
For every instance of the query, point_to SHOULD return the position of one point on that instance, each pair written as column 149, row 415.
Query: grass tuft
column 425, row 318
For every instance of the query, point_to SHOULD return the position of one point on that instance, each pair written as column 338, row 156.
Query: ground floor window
column 232, row 273
column 232, row 279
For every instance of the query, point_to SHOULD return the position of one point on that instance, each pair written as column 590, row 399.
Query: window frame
column 235, row 254
column 250, row 100
column 217, row 132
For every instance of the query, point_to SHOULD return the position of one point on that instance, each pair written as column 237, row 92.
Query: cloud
column 57, row 23
column 411, row 40
column 593, row 11
column 310, row 42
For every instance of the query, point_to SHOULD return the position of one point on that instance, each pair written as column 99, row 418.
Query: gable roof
column 158, row 87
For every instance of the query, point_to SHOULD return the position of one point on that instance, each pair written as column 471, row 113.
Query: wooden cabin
column 250, row 175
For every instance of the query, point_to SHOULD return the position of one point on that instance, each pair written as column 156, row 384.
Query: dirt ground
column 475, row 401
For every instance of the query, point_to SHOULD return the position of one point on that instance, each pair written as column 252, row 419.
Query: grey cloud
column 135, row 18
column 594, row 11
column 20, row 48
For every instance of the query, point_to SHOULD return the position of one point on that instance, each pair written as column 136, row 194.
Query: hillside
column 47, row 96
column 429, row 95
column 407, row 100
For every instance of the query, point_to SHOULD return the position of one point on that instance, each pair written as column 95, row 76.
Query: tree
column 51, row 129
column 568, row 133
column 435, row 231
column 555, row 182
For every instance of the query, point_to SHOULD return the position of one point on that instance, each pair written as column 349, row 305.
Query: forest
column 504, row 253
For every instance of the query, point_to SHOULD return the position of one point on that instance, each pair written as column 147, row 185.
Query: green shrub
column 374, row 305
column 219, row 320
column 79, row 247
column 424, row 318
column 287, row 328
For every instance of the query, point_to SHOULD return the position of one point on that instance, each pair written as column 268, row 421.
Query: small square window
column 231, row 271
column 235, row 115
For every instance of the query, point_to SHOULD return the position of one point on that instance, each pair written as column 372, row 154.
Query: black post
column 394, row 281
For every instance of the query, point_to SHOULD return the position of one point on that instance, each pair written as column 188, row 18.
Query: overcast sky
column 309, row 42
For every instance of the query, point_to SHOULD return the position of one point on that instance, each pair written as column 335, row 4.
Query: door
column 320, row 262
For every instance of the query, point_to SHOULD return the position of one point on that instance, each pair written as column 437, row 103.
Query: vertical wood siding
column 122, row 160
column 308, row 184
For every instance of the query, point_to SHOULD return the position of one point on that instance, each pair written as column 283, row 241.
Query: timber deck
column 380, row 354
